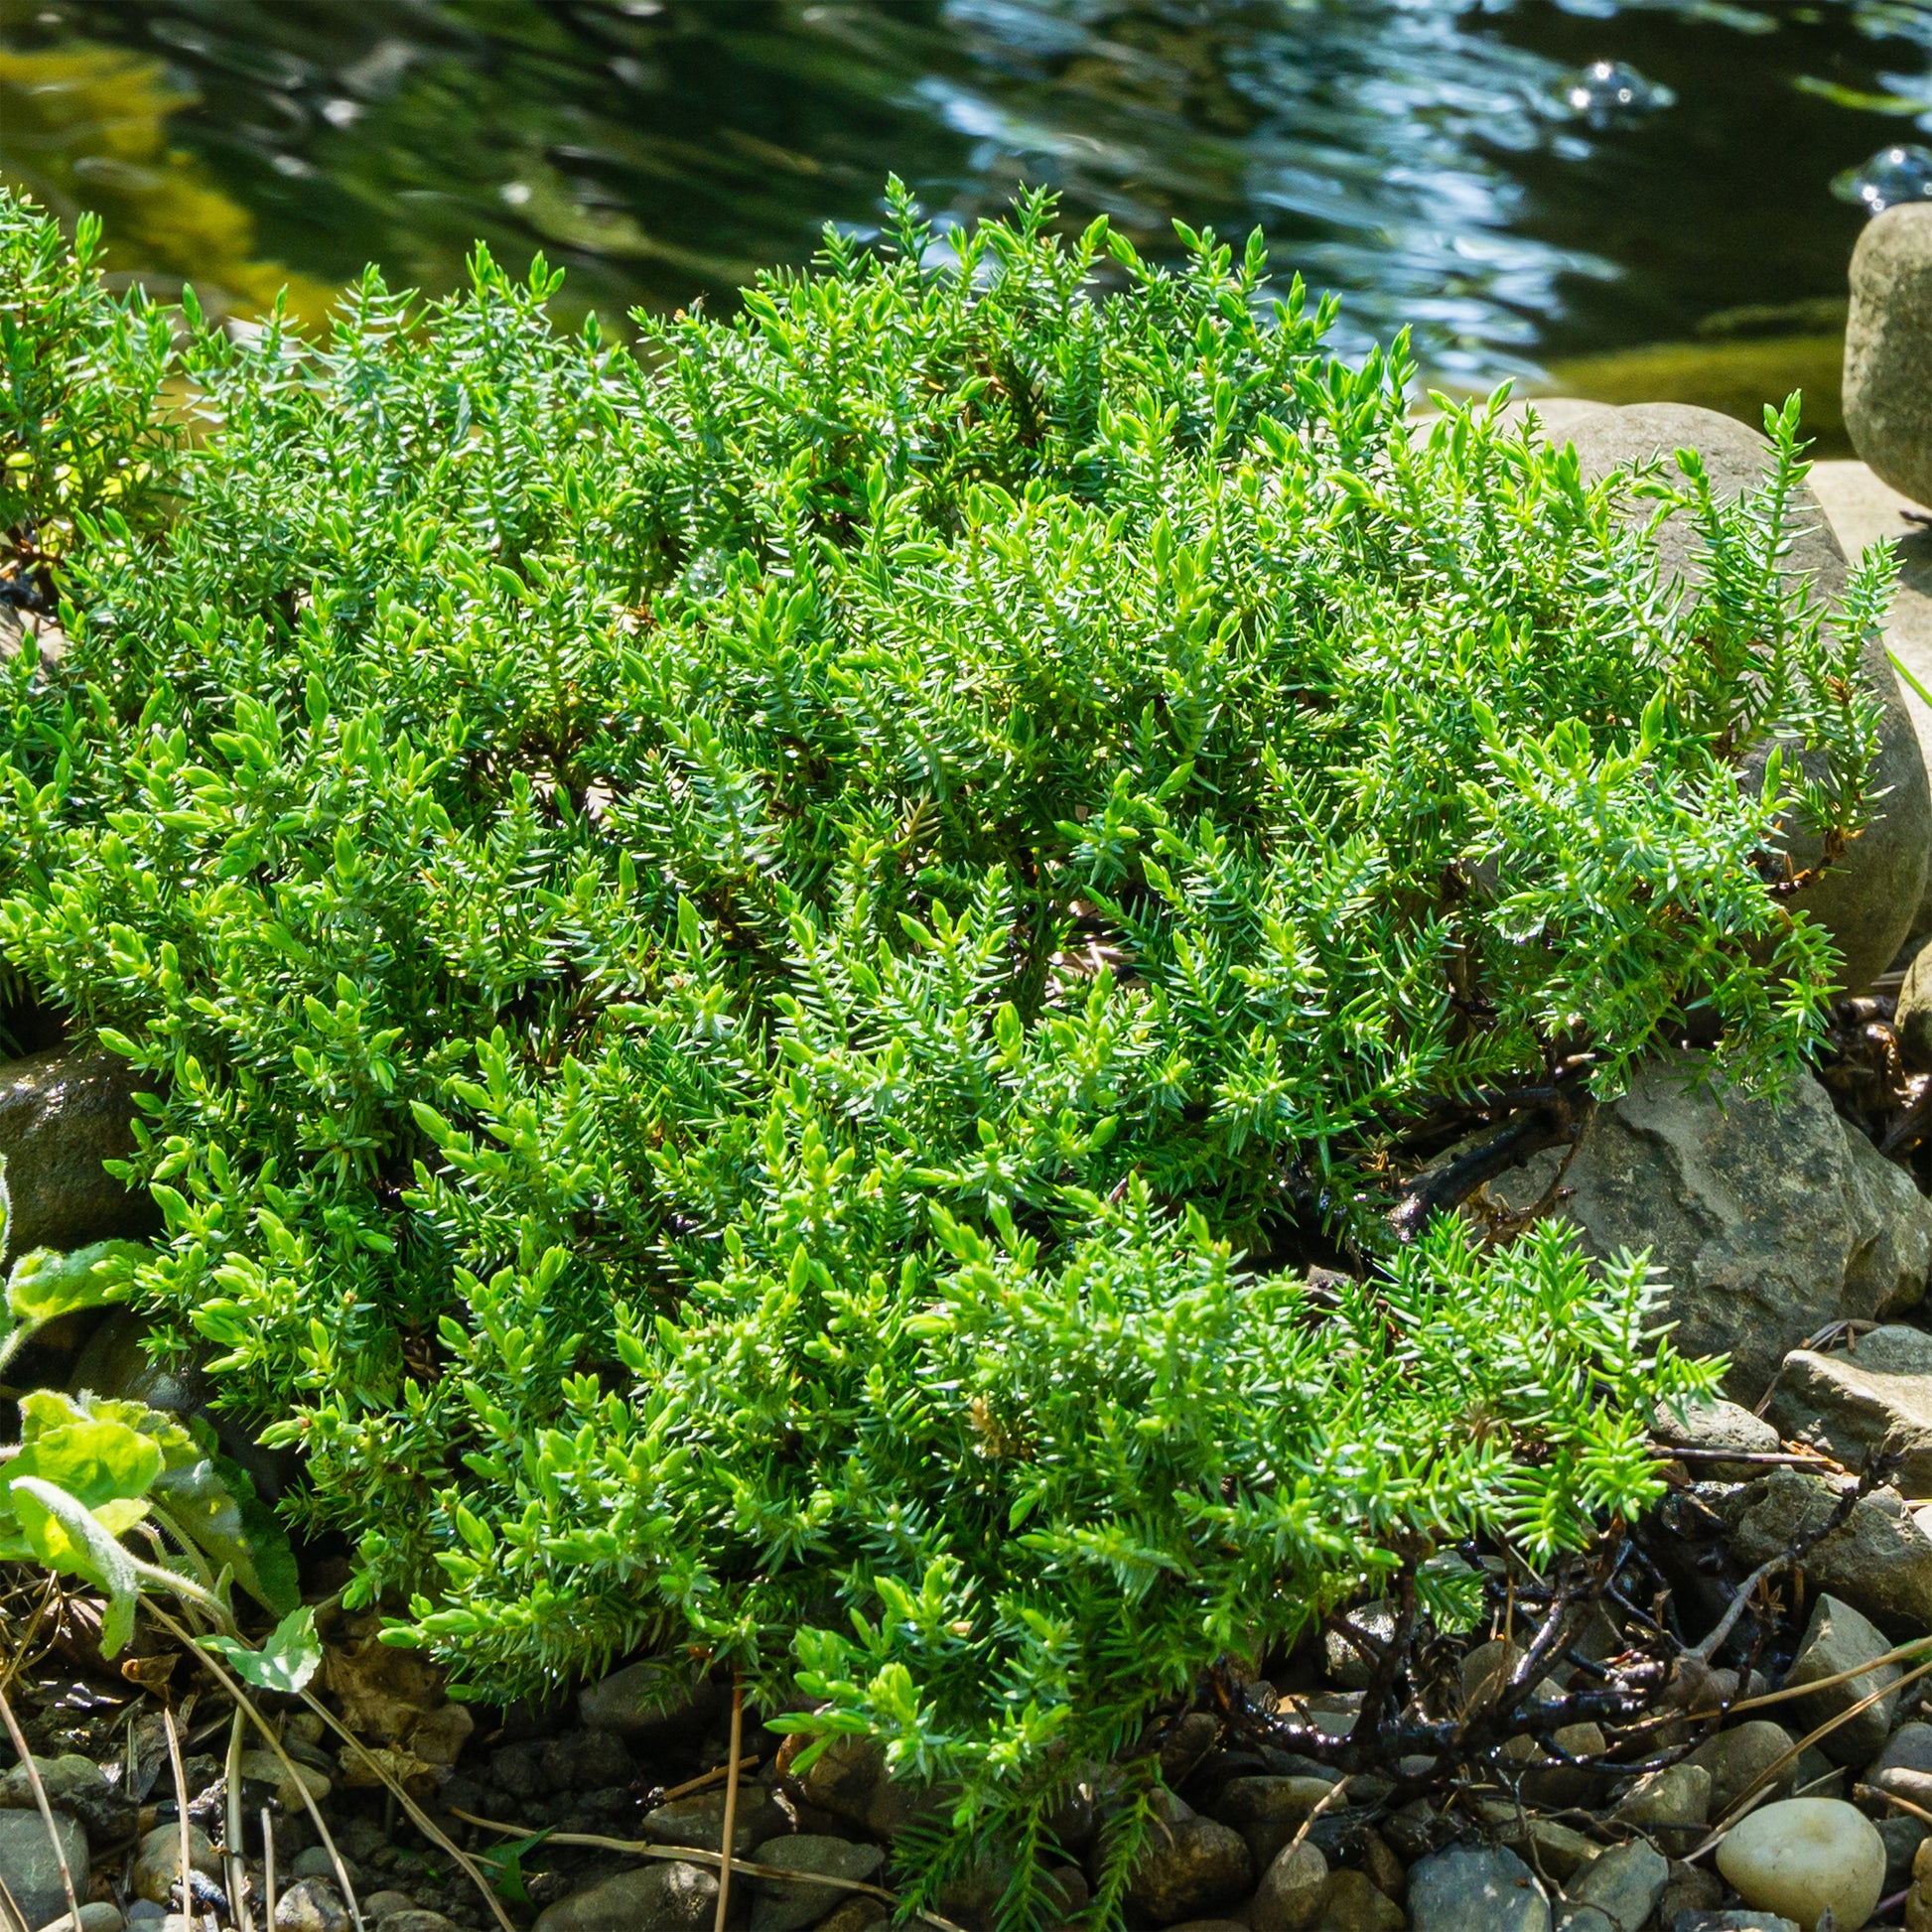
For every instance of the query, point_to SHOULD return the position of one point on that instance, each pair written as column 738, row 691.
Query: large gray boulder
column 62, row 1114
column 1888, row 349
column 1770, row 1220
column 1869, row 902
column 1876, row 1392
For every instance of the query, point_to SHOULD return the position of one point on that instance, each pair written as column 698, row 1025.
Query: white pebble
column 1804, row 1854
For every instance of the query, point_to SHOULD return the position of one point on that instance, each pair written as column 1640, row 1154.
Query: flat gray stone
column 790, row 1904
column 1708, row 1421
column 1625, row 1882
column 1738, row 1757
column 1850, row 1401
column 663, row 1897
column 1838, row 1639
column 656, row 1700
column 30, row 1868
column 1476, row 1888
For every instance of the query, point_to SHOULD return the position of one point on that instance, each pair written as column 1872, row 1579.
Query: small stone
column 699, row 1822
column 663, row 1897
column 1550, row 1848
column 1190, row 1867
column 1847, row 1404
column 64, row 1779
column 1803, row 1855
column 1477, row 1889
column 657, row 1701
column 1733, row 1921
column 1903, row 1835
column 1185, row 1744
column 1817, row 1776
column 102, row 1916
column 1585, row 1918
column 1707, row 1422
column 1291, row 1892
column 1688, row 1888
column 1838, row 1639
column 1352, row 1905
column 144, row 1911
column 1625, row 1882
column 1486, row 1669
column 843, row 1778
column 1912, row 1017
column 1267, row 1811
column 315, row 1861
column 858, row 1914
column 1344, row 1664
column 285, row 1780
column 786, row 1904
column 1880, row 1561
column 1738, row 1757
column 385, row 1904
column 1382, row 1869
column 311, row 1905
column 1670, row 1806
column 157, row 1864
column 416, row 1921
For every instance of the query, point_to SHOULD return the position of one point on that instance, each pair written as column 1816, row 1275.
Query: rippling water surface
column 1523, row 182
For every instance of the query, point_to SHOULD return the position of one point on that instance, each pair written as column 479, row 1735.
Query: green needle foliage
column 734, row 944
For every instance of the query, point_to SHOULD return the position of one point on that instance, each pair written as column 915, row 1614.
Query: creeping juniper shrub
column 736, row 938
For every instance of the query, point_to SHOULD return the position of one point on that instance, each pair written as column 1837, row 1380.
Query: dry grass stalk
column 731, row 1800
column 690, row 1854
column 46, row 1810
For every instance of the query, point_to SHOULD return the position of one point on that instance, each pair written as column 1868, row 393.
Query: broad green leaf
column 69, row 1538
column 94, row 1462
column 284, row 1663
column 45, row 1284
column 213, row 1501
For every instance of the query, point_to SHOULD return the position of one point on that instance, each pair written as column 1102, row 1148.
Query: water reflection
column 1513, row 176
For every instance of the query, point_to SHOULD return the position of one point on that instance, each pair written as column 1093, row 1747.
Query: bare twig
column 705, row 1780
column 181, row 1812
column 690, row 1854
column 267, row 1730
column 268, row 1865
column 47, row 1811
column 731, row 1800
column 238, row 1902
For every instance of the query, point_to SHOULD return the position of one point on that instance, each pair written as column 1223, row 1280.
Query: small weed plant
column 758, row 954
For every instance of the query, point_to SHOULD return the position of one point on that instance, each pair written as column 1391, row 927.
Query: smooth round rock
column 311, row 1905
column 1805, row 1854
column 1888, row 391
column 1290, row 1897
column 157, row 1865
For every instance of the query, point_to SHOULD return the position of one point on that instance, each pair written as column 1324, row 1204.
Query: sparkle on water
column 1519, row 179
column 1894, row 175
